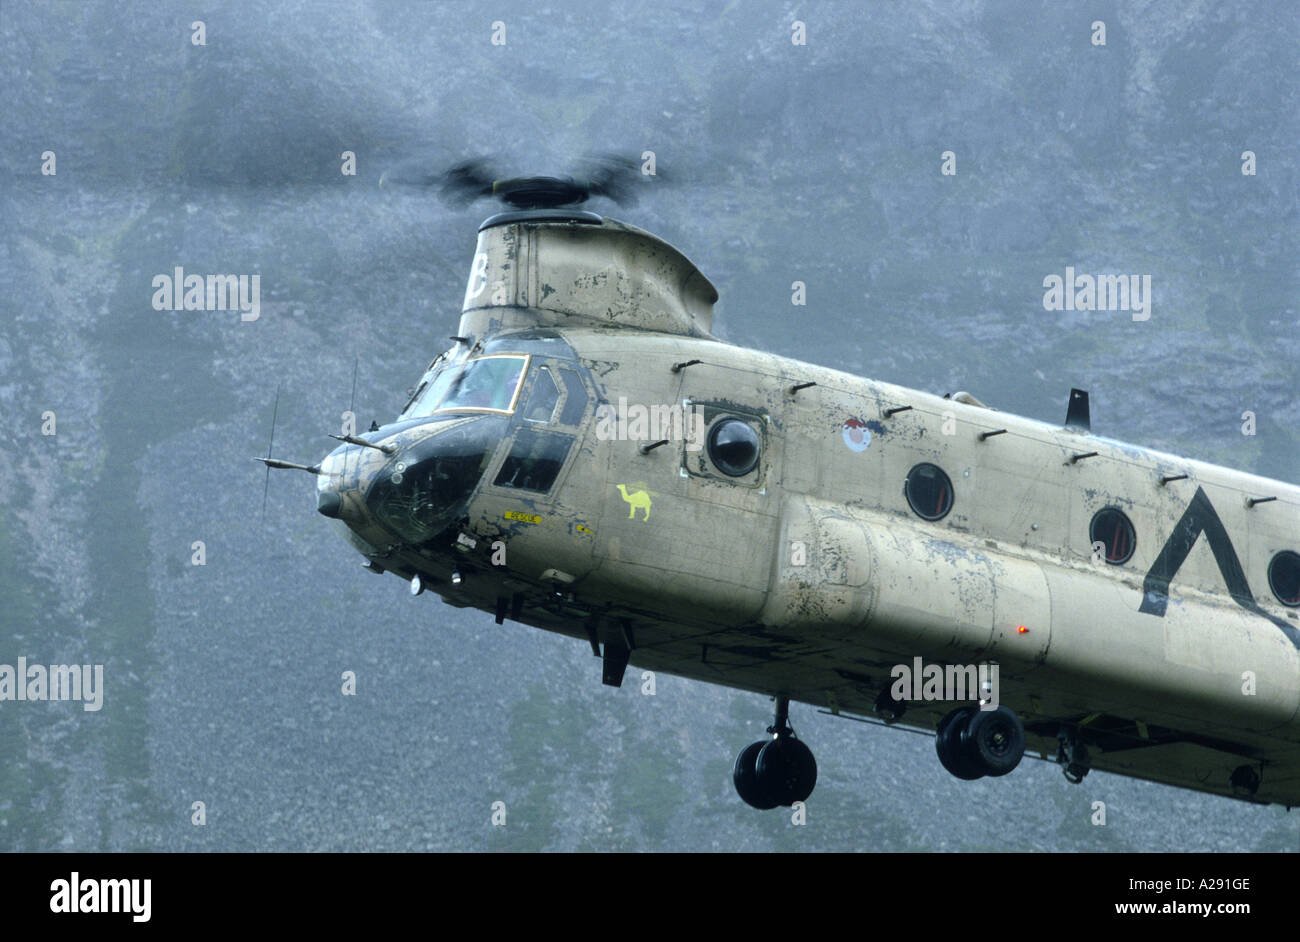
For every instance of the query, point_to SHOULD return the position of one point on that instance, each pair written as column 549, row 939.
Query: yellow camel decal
column 638, row 499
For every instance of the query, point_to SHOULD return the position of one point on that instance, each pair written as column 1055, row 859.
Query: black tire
column 949, row 743
column 745, row 776
column 994, row 740
column 786, row 770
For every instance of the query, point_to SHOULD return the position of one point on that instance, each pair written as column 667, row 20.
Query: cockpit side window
column 543, row 398
column 575, row 400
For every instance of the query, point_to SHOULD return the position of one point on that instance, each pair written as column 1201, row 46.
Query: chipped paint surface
column 613, row 274
column 811, row 575
column 882, row 585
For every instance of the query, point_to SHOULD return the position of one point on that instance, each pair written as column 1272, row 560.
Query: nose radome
column 344, row 472
column 329, row 504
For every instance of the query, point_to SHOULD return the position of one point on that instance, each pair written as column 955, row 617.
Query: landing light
column 455, row 577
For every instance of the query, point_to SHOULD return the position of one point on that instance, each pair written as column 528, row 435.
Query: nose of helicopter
column 411, row 481
column 344, row 476
column 329, row 503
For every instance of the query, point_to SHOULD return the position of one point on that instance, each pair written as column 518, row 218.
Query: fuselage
column 582, row 478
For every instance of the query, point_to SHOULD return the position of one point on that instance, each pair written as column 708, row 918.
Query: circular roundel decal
column 856, row 434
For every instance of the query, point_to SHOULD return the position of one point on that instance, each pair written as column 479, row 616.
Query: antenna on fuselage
column 352, row 403
column 276, row 462
column 1077, row 414
column 275, row 412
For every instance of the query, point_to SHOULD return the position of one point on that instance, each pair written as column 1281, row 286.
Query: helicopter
column 588, row 458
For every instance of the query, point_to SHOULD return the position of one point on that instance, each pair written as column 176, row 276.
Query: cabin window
column 534, row 461
column 1284, row 577
column 928, row 491
column 733, row 447
column 1114, row 531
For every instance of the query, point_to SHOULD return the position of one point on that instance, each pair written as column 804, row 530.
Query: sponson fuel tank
column 558, row 268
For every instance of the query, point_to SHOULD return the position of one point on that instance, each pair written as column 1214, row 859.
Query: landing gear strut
column 1244, row 781
column 1072, row 756
column 973, row 743
column 889, row 709
column 775, row 771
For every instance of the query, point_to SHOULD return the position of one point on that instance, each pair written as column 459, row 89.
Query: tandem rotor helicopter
column 589, row 459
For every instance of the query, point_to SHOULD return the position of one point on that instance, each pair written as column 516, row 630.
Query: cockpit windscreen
column 487, row 384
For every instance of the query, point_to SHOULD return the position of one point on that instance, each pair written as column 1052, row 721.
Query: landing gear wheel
column 786, row 770
column 994, row 740
column 744, row 775
column 776, row 771
column 949, row 743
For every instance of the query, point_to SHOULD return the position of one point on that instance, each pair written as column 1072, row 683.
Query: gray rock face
column 818, row 163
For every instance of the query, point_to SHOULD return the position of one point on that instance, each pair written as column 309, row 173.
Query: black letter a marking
column 1200, row 517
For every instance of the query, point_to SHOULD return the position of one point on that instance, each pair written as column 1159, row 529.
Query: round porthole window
column 1284, row 577
column 733, row 447
column 928, row 491
column 1113, row 530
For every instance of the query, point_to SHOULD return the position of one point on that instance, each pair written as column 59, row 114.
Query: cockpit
column 507, row 420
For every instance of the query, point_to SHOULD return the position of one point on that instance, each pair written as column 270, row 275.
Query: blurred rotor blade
column 615, row 177
column 459, row 185
column 612, row 176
